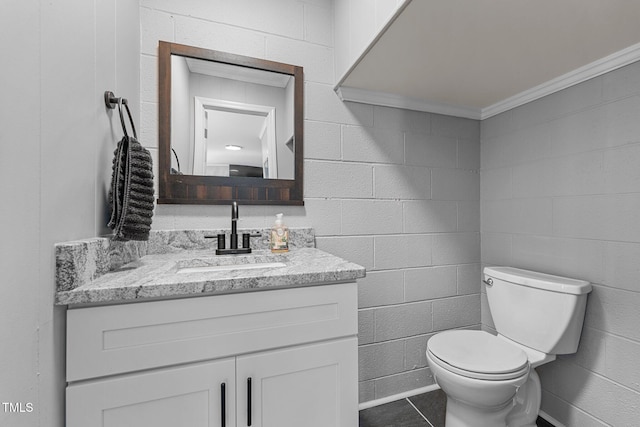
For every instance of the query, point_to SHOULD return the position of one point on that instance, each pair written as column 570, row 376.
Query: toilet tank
column 538, row 310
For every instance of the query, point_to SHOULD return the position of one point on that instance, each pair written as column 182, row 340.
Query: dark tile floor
column 423, row 410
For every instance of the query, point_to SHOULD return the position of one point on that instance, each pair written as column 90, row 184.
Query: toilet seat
column 478, row 355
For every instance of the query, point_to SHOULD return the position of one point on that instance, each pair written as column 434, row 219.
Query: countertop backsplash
column 80, row 262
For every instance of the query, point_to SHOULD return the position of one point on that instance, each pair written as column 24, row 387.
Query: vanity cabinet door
column 182, row 396
column 313, row 386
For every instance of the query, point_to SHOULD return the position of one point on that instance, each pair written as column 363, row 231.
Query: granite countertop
column 164, row 273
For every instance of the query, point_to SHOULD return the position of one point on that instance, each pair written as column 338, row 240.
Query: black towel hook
column 111, row 101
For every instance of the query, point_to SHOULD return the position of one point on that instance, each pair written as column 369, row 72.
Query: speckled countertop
column 101, row 271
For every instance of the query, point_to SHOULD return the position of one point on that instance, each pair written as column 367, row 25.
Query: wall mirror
column 230, row 128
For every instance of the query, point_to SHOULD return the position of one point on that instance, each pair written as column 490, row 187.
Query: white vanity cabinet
column 188, row 395
column 286, row 357
column 312, row 385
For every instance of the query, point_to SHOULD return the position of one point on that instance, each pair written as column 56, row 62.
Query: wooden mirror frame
column 198, row 189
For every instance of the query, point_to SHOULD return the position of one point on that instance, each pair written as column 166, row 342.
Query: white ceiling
column 478, row 57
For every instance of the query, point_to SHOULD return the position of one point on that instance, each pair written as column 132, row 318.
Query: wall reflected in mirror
column 229, row 120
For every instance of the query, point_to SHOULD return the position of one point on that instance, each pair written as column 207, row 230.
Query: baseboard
column 550, row 419
column 393, row 398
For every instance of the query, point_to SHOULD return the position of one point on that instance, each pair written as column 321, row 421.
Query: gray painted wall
column 560, row 193
column 56, row 146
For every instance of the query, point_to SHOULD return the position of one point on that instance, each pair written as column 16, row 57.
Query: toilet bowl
column 480, row 375
column 490, row 380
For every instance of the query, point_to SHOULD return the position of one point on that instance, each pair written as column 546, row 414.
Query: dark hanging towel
column 131, row 194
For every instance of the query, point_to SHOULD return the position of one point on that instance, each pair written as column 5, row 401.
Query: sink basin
column 230, row 267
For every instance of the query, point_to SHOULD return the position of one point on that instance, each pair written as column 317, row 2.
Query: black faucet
column 234, row 225
column 233, row 247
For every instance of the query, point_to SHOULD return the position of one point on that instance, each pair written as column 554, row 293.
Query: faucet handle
column 246, row 242
column 221, row 241
column 221, row 237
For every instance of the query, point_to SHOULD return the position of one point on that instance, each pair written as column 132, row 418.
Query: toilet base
column 522, row 411
column 462, row 414
column 527, row 403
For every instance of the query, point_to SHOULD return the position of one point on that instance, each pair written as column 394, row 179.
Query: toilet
column 489, row 380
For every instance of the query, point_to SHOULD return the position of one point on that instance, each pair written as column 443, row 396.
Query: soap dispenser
column 279, row 236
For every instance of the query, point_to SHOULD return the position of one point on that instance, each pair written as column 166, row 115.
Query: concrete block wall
column 560, row 193
column 413, row 223
column 394, row 190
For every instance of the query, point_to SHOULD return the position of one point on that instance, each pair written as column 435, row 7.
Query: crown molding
column 579, row 75
column 385, row 99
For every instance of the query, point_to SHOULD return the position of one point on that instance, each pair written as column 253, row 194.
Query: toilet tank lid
column 534, row 279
